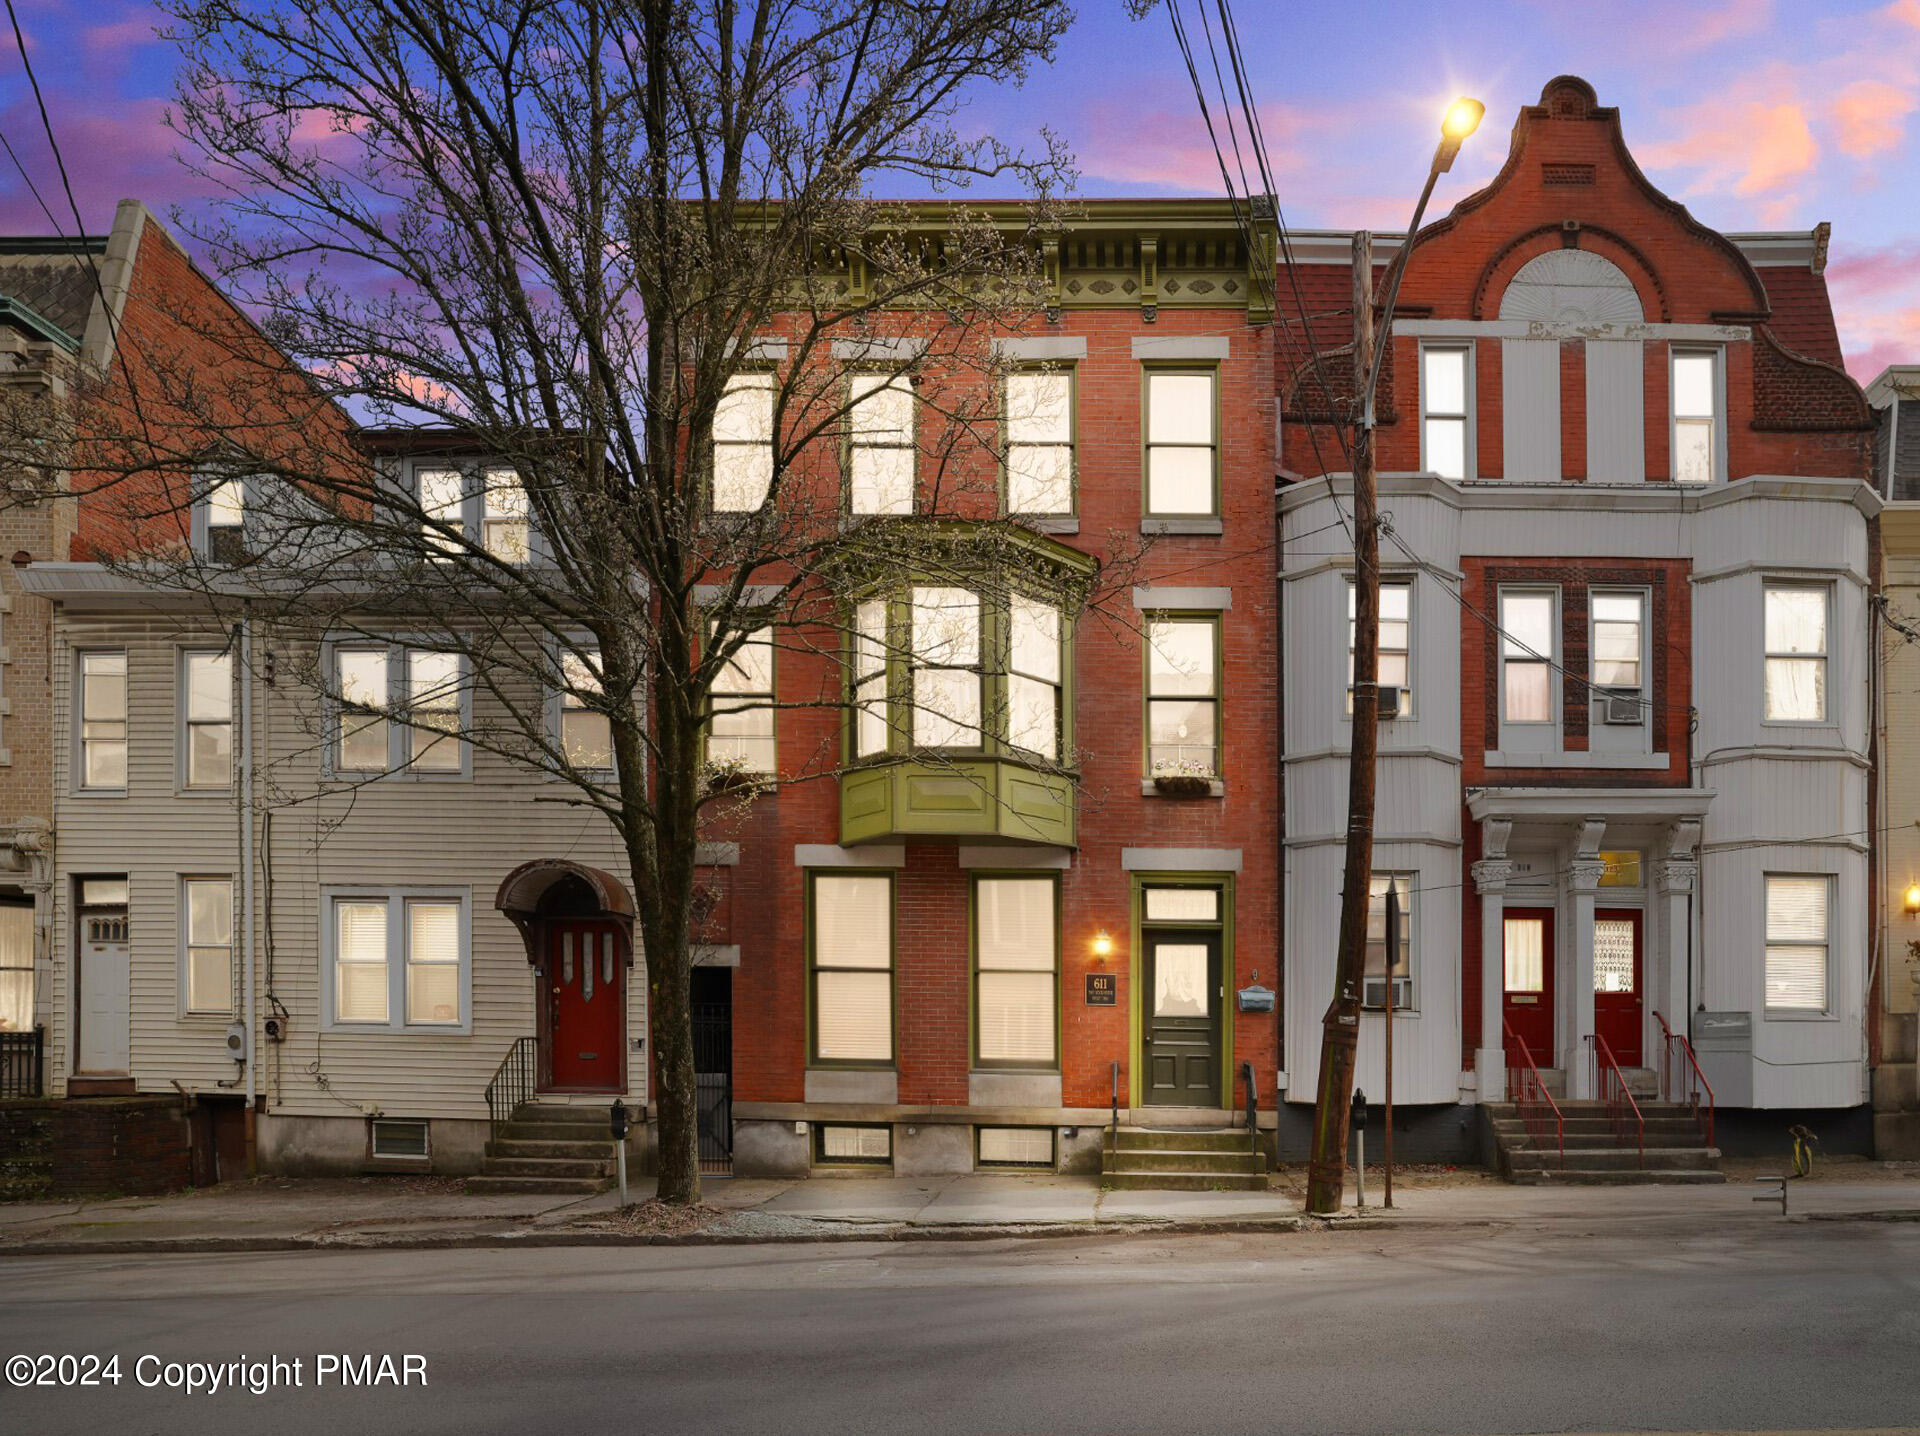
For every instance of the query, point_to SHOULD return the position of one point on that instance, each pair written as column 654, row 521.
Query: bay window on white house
column 743, row 444
column 397, row 959
column 1799, row 940
column 1396, row 639
column 1016, row 971
column 850, row 966
column 1795, row 617
column 880, row 445
column 1039, row 417
column 740, row 728
column 1380, row 963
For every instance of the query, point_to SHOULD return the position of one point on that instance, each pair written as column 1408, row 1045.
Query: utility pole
column 1340, row 1028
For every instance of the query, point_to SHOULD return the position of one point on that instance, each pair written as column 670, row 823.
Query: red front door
column 1616, row 982
column 586, row 1007
column 1528, row 1004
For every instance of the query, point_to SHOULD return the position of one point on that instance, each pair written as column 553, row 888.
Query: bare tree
column 628, row 255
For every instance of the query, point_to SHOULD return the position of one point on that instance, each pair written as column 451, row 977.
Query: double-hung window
column 880, row 447
column 16, row 966
column 870, row 718
column 503, row 515
column 1526, row 656
column 1799, row 937
column 586, row 733
column 1796, row 652
column 1696, row 416
column 103, row 720
column 1039, row 411
column 206, row 912
column 1016, row 970
column 1445, row 421
column 1618, row 633
column 850, row 958
column 1183, row 696
column 1182, row 443
column 946, row 668
column 206, row 719
column 740, row 728
column 743, row 444
column 1033, row 676
column 398, row 708
column 226, row 516
column 1396, row 639
column 398, row 960
column 443, row 506
column 1380, row 963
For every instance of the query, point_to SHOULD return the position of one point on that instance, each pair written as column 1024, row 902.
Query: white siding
column 1530, row 406
column 1616, row 412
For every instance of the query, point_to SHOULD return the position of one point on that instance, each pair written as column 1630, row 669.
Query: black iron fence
column 713, row 1083
column 22, row 1058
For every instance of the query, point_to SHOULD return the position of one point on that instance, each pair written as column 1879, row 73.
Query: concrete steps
column 548, row 1149
column 1670, row 1150
column 1182, row 1160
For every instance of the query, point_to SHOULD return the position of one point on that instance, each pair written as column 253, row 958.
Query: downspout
column 245, row 678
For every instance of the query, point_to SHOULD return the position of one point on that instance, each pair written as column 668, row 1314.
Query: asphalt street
column 1629, row 1326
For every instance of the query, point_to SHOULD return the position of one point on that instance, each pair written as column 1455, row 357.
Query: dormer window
column 486, row 510
column 504, row 516
column 226, row 521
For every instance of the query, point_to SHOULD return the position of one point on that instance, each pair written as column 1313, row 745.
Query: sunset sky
column 1758, row 114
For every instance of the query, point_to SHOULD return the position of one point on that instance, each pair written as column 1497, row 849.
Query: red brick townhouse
column 1040, row 894
column 1625, row 773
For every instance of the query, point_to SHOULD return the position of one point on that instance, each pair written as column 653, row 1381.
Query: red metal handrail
column 1673, row 1078
column 1611, row 1084
column 1538, row 1111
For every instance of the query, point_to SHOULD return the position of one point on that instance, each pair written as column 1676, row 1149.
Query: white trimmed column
column 1577, row 1060
column 1675, row 880
column 1490, row 1058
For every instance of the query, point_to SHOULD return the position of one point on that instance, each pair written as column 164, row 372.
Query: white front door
column 106, row 980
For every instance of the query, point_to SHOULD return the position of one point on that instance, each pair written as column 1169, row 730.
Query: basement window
column 399, row 1141
column 853, row 1146
column 1030, row 1147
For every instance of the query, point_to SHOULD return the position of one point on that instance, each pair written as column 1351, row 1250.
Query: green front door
column 1181, row 1028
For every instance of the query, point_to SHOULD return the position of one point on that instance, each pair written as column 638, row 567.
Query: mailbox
column 1256, row 998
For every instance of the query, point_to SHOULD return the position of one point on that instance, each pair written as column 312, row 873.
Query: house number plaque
column 1102, row 989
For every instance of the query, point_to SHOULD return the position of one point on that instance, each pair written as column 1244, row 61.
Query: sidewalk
column 277, row 1214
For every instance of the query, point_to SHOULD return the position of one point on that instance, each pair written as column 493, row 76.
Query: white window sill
column 1557, row 759
column 1788, row 1014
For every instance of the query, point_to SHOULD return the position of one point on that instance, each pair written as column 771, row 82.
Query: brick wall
column 124, row 1146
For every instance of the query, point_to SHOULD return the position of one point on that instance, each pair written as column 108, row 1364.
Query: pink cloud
column 1755, row 147
column 1871, row 117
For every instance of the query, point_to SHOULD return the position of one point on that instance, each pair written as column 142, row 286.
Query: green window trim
column 891, row 690
column 1148, row 373
column 1070, row 372
column 974, row 970
column 896, row 378
column 1223, row 883
column 814, row 969
column 709, row 468
column 1150, row 765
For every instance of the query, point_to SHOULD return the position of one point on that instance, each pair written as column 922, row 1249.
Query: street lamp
column 1460, row 121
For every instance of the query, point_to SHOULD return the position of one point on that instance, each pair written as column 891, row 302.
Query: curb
column 498, row 1241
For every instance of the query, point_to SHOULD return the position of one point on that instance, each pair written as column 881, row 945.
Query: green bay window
column 945, row 624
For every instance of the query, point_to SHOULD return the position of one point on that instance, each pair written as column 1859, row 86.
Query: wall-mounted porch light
column 1103, row 945
column 1912, row 902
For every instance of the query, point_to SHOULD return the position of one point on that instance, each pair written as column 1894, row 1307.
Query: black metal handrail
column 1113, row 1122
column 513, row 1082
column 22, row 1056
column 1251, row 1108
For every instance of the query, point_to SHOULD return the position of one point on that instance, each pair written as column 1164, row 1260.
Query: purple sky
column 1757, row 113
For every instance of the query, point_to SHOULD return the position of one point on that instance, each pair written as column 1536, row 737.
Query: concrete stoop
column 1182, row 1160
column 1671, row 1153
column 550, row 1150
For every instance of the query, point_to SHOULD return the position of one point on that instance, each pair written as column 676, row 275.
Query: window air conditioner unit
column 1393, row 700
column 1624, row 708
